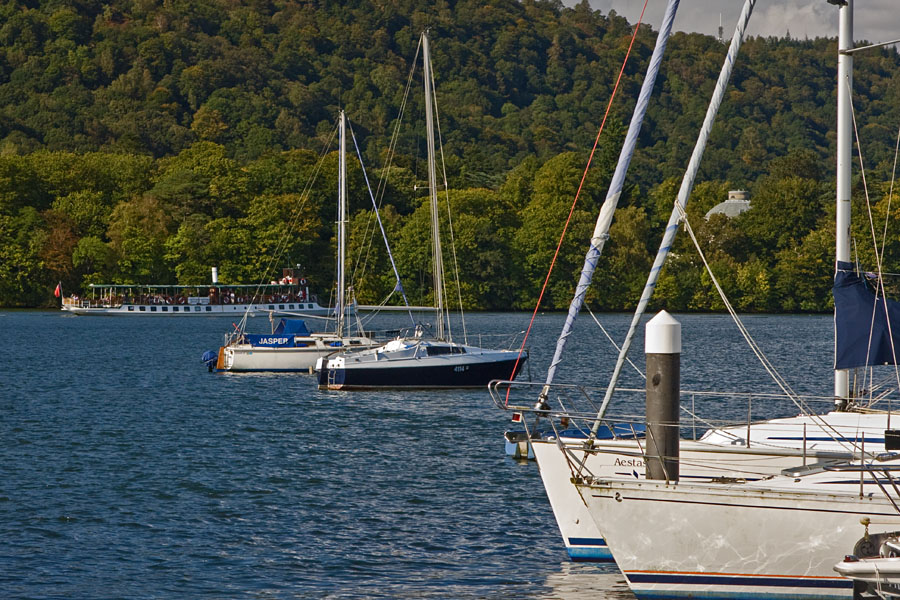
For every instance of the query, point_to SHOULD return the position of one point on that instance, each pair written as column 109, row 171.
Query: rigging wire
column 879, row 254
column 613, row 342
column 399, row 284
column 562, row 237
column 440, row 139
column 383, row 180
column 282, row 243
column 779, row 380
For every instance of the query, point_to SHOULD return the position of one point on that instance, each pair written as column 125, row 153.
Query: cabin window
column 438, row 350
column 281, row 307
column 152, row 309
column 291, row 306
column 271, row 307
column 196, row 309
column 143, row 308
column 209, row 309
column 174, row 309
column 165, row 309
column 131, row 308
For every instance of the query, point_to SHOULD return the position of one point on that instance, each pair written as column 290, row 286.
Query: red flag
column 58, row 291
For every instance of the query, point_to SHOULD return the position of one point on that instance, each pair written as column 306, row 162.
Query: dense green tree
column 23, row 279
column 151, row 141
column 784, row 211
column 482, row 230
column 20, row 186
column 94, row 259
column 368, row 265
column 138, row 230
column 543, row 220
column 201, row 179
column 625, row 262
column 285, row 231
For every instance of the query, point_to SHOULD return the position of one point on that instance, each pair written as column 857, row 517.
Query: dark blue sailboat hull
column 447, row 376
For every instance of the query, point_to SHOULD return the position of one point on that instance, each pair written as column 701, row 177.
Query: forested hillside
column 145, row 141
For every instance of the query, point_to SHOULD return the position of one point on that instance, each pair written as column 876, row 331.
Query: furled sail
column 866, row 328
column 684, row 193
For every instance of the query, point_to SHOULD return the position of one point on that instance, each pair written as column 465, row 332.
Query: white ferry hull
column 197, row 310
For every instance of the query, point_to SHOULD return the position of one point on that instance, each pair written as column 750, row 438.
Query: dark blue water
column 129, row 471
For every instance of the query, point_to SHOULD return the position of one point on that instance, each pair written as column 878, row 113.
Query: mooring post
column 662, row 345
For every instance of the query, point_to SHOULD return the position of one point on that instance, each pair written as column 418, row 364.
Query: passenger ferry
column 289, row 294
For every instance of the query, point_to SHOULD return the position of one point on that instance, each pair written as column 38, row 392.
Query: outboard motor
column 210, row 357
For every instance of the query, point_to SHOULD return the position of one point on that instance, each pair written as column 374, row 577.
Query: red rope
column 577, row 195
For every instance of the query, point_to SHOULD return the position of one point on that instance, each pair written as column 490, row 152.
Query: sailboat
column 290, row 346
column 418, row 361
column 779, row 536
column 746, row 453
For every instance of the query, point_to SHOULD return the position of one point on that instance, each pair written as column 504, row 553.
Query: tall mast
column 844, row 157
column 342, row 226
column 438, row 266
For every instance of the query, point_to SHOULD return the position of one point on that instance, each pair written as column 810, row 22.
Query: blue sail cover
column 855, row 315
column 291, row 327
column 282, row 337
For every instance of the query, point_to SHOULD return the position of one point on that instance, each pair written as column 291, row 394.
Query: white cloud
column 874, row 20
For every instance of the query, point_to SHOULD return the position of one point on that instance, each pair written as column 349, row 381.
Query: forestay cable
column 673, row 4
column 604, row 218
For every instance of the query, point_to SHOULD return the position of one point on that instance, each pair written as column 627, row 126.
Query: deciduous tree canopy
column 147, row 142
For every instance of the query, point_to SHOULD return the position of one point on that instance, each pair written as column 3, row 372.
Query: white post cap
column 662, row 335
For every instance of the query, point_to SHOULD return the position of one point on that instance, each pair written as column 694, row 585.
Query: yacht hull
column 691, row 540
column 438, row 372
column 275, row 360
column 245, row 358
column 622, row 459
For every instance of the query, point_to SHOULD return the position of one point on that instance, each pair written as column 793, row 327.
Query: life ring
column 303, row 281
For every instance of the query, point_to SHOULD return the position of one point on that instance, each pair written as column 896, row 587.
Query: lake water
column 129, row 471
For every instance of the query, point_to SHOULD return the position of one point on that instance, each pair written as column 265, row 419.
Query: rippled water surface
column 129, row 471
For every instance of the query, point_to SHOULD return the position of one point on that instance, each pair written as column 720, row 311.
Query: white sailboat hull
column 775, row 446
column 248, row 358
column 692, row 540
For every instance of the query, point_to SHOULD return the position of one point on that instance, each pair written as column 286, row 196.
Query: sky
column 873, row 20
